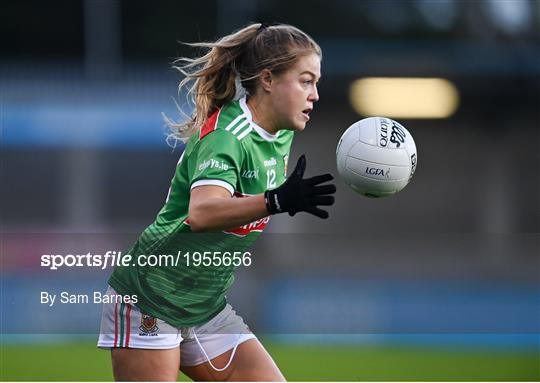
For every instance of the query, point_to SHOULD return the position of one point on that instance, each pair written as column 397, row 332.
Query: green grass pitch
column 82, row 361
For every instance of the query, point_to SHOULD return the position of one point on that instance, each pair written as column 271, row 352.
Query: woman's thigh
column 135, row 364
column 251, row 362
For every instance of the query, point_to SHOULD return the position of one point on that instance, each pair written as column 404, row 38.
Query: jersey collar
column 263, row 133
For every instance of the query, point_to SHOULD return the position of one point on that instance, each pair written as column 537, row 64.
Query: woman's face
column 295, row 91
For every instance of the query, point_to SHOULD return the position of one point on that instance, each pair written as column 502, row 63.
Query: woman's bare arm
column 212, row 208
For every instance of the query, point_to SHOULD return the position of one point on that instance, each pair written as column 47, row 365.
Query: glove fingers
column 325, row 200
column 300, row 167
column 324, row 189
column 317, row 212
column 318, row 179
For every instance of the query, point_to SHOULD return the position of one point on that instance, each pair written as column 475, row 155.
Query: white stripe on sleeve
column 213, row 182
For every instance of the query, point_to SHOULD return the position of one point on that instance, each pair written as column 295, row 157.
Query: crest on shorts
column 148, row 324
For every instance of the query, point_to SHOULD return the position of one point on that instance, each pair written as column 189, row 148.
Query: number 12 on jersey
column 271, row 178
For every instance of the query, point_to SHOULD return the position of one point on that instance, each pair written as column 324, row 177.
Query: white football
column 376, row 157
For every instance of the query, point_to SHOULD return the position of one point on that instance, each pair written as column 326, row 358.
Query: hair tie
column 263, row 27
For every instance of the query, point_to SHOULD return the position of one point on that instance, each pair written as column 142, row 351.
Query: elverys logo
column 214, row 164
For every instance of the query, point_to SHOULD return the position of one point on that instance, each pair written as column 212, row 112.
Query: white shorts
column 123, row 325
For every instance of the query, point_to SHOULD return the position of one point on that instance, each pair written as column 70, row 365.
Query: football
column 376, row 157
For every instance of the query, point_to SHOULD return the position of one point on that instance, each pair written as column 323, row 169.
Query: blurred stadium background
column 440, row 282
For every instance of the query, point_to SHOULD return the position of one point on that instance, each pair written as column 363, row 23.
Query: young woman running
column 229, row 180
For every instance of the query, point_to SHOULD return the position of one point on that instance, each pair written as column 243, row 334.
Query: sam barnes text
column 97, row 297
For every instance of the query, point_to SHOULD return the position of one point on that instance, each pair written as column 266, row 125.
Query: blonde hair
column 213, row 79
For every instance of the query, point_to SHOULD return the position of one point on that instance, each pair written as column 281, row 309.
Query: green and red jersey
column 230, row 151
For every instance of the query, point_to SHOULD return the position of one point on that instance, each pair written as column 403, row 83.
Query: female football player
column 230, row 178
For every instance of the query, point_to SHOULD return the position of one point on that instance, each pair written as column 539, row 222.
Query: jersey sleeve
column 218, row 161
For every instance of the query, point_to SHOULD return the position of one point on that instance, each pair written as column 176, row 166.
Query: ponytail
column 213, row 79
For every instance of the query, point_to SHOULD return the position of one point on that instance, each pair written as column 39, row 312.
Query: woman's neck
column 260, row 115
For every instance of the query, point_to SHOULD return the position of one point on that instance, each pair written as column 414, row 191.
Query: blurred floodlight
column 511, row 16
column 404, row 97
column 439, row 14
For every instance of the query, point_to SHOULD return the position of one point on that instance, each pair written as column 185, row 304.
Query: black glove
column 298, row 194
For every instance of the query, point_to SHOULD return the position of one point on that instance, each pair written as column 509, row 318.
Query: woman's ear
column 266, row 80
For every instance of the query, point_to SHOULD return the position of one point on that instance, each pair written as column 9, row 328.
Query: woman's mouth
column 306, row 113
